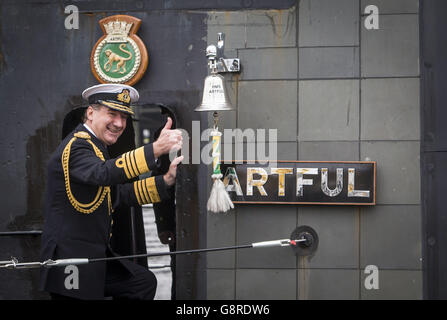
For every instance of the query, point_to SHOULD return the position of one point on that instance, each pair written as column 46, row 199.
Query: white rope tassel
column 219, row 200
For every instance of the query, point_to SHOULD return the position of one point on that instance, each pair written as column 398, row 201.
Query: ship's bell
column 215, row 97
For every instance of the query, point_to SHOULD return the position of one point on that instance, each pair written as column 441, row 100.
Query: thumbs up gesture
column 169, row 140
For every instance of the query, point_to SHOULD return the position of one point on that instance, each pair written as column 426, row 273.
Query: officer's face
column 106, row 123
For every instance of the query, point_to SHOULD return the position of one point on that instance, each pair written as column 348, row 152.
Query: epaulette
column 82, row 135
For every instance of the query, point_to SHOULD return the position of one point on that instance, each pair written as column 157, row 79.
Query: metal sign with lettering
column 302, row 182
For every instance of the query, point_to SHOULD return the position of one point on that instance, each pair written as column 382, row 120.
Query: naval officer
column 84, row 186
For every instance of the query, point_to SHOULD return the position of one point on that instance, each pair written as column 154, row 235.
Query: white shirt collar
column 89, row 129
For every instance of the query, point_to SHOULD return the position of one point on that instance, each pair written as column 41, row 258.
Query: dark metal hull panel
column 434, row 147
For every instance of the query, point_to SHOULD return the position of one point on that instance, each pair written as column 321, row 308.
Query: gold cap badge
column 124, row 96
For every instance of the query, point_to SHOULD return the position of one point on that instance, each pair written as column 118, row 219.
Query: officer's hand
column 169, row 177
column 166, row 237
column 169, row 140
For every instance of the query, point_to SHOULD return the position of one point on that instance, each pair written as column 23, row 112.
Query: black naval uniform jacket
column 83, row 187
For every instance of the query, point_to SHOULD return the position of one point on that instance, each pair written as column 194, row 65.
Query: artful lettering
column 325, row 182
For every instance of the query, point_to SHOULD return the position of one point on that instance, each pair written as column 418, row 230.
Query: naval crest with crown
column 119, row 56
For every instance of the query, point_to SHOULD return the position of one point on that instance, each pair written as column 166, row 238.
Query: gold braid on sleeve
column 103, row 191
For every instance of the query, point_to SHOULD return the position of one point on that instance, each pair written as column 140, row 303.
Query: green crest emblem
column 119, row 56
column 117, row 62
